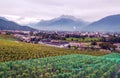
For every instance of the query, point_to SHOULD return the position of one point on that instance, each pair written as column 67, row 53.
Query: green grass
column 7, row 37
column 67, row 66
column 83, row 40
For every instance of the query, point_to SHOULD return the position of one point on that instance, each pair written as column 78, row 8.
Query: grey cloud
column 45, row 9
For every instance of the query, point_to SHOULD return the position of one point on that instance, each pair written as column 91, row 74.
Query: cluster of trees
column 111, row 39
column 107, row 46
column 114, row 39
column 51, row 36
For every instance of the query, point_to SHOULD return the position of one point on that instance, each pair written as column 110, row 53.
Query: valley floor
column 25, row 60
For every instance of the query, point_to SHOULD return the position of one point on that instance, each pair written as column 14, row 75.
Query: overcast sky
column 26, row 11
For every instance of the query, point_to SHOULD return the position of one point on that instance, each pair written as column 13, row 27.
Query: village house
column 118, row 46
column 2, row 32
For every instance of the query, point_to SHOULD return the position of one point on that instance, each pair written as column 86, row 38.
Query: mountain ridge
column 108, row 24
column 64, row 22
column 10, row 25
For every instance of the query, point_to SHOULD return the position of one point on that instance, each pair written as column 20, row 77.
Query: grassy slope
column 58, row 66
column 7, row 37
column 11, row 50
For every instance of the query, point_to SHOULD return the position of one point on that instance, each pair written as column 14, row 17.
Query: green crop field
column 83, row 40
column 67, row 66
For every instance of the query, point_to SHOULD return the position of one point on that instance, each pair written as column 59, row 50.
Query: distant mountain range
column 106, row 24
column 3, row 18
column 67, row 23
column 10, row 25
column 70, row 23
column 64, row 22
